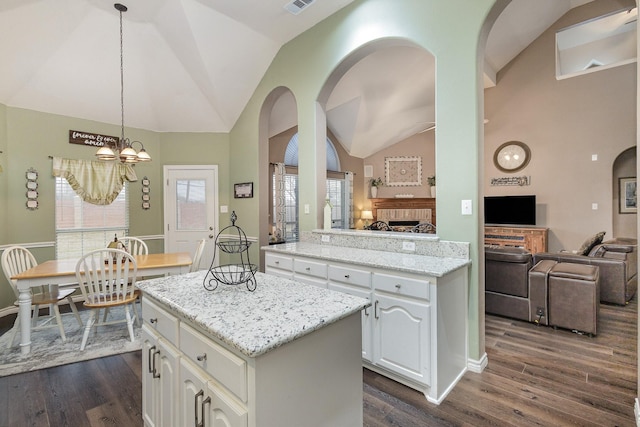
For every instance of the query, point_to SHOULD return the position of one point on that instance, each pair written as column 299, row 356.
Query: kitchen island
column 416, row 329
column 285, row 354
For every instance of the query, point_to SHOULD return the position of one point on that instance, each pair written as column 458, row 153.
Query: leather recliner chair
column 507, row 282
column 617, row 260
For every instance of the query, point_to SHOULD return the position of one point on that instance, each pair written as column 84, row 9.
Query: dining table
column 60, row 272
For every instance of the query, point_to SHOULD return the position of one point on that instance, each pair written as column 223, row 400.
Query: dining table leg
column 24, row 314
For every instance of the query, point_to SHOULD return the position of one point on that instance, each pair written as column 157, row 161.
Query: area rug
column 48, row 349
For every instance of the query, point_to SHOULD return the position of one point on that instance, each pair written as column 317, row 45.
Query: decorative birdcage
column 232, row 240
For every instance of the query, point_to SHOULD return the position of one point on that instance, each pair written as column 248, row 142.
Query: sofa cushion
column 588, row 244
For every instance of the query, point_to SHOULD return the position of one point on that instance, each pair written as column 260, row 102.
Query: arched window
column 291, row 154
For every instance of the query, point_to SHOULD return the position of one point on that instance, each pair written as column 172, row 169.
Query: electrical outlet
column 408, row 246
column 325, row 238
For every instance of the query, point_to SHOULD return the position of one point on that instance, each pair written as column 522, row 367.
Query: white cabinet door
column 204, row 403
column 402, row 336
column 367, row 324
column 159, row 382
column 167, row 367
column 149, row 400
column 223, row 410
column 193, row 393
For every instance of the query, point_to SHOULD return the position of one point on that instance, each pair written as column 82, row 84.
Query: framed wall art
column 403, row 171
column 243, row 190
column 628, row 195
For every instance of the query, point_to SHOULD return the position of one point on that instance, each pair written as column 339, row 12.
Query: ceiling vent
column 297, row 6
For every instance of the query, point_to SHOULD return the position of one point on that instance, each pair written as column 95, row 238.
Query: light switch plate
column 466, row 207
column 224, row 209
column 306, row 209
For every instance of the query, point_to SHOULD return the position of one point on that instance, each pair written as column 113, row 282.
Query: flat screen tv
column 510, row 210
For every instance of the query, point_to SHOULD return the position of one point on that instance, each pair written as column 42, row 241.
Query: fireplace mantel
column 404, row 203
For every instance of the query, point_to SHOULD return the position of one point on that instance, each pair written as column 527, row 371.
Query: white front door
column 191, row 209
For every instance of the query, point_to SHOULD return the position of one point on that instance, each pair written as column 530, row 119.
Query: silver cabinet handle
column 366, row 313
column 375, row 310
column 398, row 286
column 277, row 262
column 204, row 402
column 201, row 357
column 154, row 320
column 156, row 374
column 150, row 359
column 346, row 276
column 308, row 268
column 198, row 395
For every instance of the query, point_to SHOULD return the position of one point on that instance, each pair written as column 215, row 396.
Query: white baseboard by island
column 478, row 366
column 636, row 411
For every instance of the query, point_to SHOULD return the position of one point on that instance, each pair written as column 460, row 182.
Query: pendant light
column 124, row 148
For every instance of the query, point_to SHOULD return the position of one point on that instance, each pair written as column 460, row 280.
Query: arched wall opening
column 279, row 99
column 624, row 179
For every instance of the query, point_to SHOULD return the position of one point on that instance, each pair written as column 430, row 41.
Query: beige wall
column 565, row 122
column 422, row 145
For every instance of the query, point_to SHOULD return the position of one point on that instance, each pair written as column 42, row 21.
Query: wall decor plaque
column 403, row 171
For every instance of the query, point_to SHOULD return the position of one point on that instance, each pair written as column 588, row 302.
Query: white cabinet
column 415, row 331
column 205, row 403
column 310, row 272
column 401, row 337
column 278, row 265
column 160, row 380
column 194, row 380
column 354, row 281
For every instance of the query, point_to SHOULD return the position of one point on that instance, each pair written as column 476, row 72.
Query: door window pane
column 191, row 204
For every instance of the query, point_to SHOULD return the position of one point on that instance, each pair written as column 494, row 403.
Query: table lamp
column 366, row 216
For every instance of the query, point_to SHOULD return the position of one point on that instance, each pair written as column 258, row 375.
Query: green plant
column 431, row 180
column 376, row 182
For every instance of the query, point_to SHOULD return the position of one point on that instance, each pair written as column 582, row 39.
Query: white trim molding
column 478, row 366
column 29, row 245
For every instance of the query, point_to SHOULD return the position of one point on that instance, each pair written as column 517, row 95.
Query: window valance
column 95, row 182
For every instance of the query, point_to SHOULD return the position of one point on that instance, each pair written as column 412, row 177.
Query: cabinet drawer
column 310, row 268
column 224, row 366
column 350, row 276
column 278, row 261
column 160, row 320
column 401, row 285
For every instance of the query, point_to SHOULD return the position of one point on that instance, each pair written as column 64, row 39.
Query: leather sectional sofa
column 617, row 260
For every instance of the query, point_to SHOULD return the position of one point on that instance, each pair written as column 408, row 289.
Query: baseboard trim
column 636, row 411
column 478, row 366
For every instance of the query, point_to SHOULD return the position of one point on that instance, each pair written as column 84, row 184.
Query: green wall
column 450, row 30
column 28, row 138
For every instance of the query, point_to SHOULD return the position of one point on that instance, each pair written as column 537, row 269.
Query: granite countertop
column 277, row 312
column 410, row 263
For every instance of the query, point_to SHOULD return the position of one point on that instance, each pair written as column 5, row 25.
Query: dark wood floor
column 536, row 376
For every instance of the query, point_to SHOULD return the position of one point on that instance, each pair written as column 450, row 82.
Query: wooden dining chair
column 134, row 245
column 107, row 279
column 15, row 260
column 197, row 256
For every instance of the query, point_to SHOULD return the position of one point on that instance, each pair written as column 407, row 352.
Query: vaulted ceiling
column 192, row 65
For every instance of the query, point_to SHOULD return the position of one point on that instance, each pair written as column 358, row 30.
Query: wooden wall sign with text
column 92, row 139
